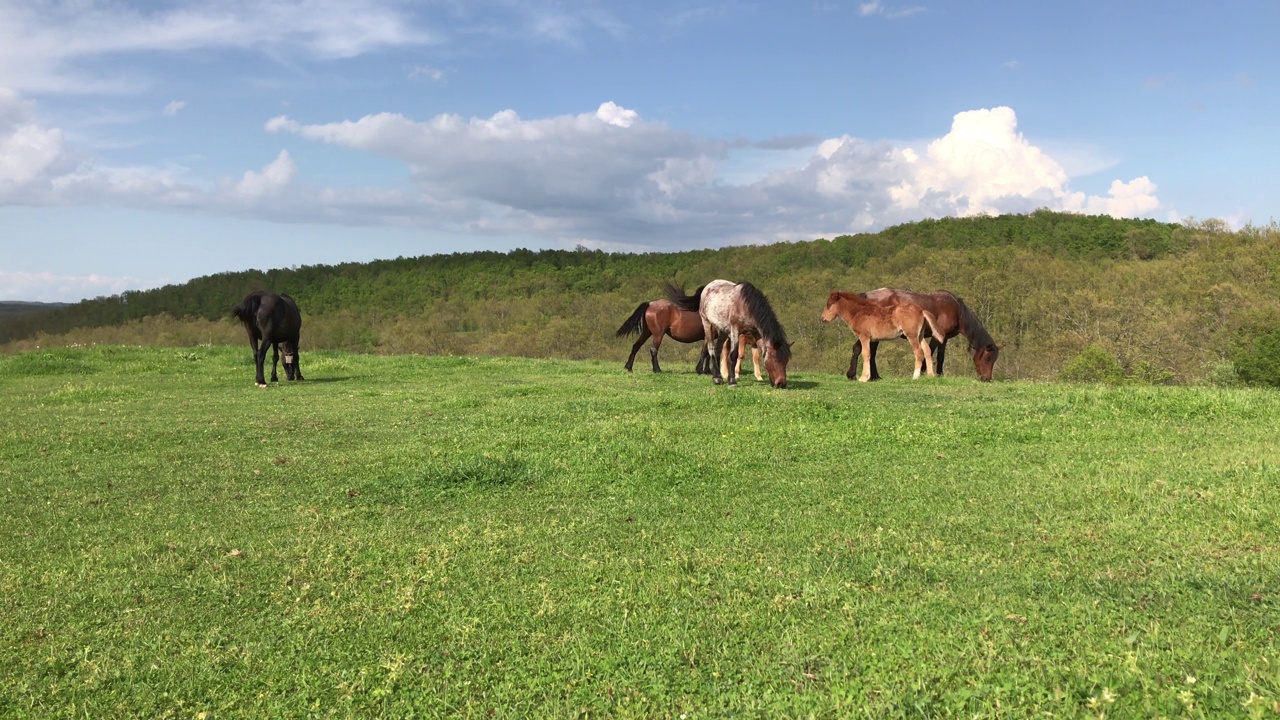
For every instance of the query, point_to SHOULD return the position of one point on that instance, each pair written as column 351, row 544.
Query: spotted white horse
column 729, row 311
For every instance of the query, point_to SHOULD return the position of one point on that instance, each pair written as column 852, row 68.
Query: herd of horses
column 726, row 317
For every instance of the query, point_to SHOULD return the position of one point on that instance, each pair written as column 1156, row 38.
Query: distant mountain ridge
column 19, row 307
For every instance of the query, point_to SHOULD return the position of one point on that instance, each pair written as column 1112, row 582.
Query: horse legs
column 941, row 347
column 871, row 355
column 735, row 359
column 259, row 359
column 755, row 363
column 714, row 346
column 920, row 351
column 644, row 335
column 704, row 362
column 653, row 352
column 866, row 359
column 275, row 359
column 928, row 355
column 292, row 370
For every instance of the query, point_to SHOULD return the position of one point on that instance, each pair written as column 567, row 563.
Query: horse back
column 943, row 305
column 664, row 317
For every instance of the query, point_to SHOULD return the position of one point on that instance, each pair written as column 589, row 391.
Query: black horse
column 271, row 320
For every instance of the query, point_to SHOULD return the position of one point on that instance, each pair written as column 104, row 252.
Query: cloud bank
column 608, row 178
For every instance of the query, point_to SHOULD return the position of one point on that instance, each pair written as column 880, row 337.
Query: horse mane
column 974, row 331
column 766, row 321
column 677, row 296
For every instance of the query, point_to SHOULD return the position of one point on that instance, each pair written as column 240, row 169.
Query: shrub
column 1257, row 359
column 1222, row 374
column 1145, row 373
column 1093, row 364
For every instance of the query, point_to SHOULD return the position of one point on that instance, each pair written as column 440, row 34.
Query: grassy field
column 447, row 536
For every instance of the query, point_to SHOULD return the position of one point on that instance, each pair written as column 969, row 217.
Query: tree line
column 1163, row 302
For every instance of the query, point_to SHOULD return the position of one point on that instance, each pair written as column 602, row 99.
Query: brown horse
column 952, row 316
column 730, row 312
column 659, row 318
column 872, row 321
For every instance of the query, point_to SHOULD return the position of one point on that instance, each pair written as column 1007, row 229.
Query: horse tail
column 247, row 309
column 933, row 324
column 688, row 302
column 635, row 322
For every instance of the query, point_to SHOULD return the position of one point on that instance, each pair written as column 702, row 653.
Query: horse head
column 830, row 312
column 984, row 361
column 776, row 356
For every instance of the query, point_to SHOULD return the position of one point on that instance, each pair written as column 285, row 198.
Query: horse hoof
column 261, row 385
column 716, row 380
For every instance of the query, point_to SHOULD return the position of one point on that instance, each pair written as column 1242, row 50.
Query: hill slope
column 1155, row 295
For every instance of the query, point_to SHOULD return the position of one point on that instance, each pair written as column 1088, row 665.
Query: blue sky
column 146, row 143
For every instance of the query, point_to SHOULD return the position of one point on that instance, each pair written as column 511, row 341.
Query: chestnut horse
column 872, row 321
column 659, row 318
column 271, row 320
column 953, row 317
column 730, row 311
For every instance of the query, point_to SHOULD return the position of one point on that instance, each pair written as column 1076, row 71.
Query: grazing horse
column 952, row 316
column 659, row 318
column 729, row 311
column 272, row 321
column 872, row 321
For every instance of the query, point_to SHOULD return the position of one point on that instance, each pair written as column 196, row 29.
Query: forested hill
column 1047, row 285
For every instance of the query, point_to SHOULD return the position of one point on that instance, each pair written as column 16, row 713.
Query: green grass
column 447, row 536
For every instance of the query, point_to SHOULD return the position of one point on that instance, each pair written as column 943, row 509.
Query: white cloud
column 56, row 46
column 29, row 153
column 607, row 176
column 426, row 71
column 271, row 181
column 174, row 107
column 50, row 287
column 893, row 12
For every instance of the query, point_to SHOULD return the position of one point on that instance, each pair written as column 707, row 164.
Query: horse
column 953, row 317
column 659, row 318
column 729, row 311
column 273, row 321
column 872, row 321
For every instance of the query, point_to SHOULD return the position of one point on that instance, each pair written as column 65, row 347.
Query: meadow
column 507, row 537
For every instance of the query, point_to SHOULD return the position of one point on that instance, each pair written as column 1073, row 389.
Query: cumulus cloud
column 270, row 181
column 612, row 176
column 29, row 154
column 607, row 177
